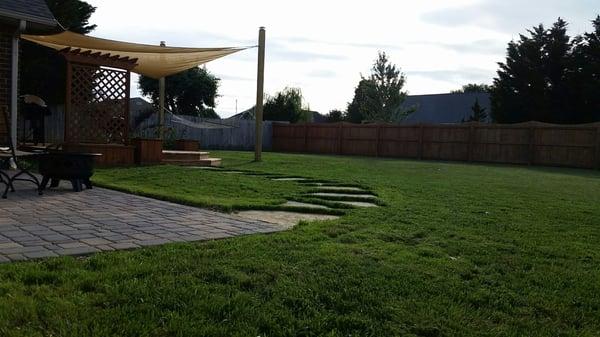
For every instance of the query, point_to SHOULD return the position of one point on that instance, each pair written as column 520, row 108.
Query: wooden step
column 213, row 162
column 184, row 155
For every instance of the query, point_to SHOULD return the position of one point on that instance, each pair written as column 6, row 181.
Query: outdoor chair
column 8, row 153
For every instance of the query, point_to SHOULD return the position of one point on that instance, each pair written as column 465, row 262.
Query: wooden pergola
column 97, row 99
column 98, row 87
column 97, row 105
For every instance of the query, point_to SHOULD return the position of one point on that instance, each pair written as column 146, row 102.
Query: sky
column 323, row 47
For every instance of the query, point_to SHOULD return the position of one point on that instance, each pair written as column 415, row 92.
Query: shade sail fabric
column 152, row 61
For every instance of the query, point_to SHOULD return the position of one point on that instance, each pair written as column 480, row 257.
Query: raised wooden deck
column 189, row 158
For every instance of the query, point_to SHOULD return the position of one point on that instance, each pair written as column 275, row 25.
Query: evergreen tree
column 379, row 98
column 518, row 93
column 479, row 114
column 585, row 77
column 549, row 77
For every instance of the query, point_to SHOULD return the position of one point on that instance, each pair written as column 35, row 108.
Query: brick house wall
column 6, row 34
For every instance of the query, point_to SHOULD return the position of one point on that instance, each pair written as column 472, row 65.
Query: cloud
column 379, row 46
column 508, row 15
column 281, row 51
column 322, row 73
column 236, row 78
column 462, row 75
column 482, row 46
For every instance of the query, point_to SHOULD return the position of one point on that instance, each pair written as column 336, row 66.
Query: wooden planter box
column 112, row 154
column 147, row 151
column 187, row 145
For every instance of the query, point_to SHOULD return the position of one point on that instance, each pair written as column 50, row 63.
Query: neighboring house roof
column 138, row 105
column 244, row 115
column 318, row 118
column 35, row 11
column 444, row 108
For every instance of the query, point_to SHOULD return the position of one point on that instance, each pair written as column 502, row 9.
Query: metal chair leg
column 32, row 178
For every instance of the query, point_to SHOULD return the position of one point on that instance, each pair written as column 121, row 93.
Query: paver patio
column 62, row 222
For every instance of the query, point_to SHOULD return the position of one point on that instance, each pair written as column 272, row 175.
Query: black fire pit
column 75, row 167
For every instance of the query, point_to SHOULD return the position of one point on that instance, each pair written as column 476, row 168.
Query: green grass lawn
column 457, row 250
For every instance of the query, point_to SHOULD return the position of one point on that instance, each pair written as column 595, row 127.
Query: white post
column 14, row 83
column 260, row 79
column 161, row 103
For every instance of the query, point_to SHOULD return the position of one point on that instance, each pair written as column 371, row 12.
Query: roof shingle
column 33, row 9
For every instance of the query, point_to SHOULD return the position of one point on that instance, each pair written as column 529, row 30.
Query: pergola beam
column 97, row 58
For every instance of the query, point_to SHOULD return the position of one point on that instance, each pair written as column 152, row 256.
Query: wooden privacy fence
column 529, row 143
column 223, row 135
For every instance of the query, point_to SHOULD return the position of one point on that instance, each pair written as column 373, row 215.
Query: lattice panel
column 98, row 105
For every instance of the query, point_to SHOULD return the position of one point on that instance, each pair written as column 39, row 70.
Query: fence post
column 470, row 144
column 420, row 141
column 305, row 137
column 341, row 139
column 377, row 140
column 598, row 148
column 531, row 145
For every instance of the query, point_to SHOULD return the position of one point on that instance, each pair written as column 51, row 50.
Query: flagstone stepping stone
column 340, row 188
column 284, row 219
column 289, row 179
column 358, row 203
column 344, row 195
column 304, row 204
column 210, row 168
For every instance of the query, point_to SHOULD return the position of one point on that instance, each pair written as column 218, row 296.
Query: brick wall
column 6, row 34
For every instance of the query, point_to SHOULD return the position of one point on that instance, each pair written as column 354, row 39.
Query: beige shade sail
column 152, row 61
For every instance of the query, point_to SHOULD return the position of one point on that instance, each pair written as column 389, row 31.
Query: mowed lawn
column 457, row 250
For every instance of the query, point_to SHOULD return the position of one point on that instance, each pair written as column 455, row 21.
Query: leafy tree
column 286, row 106
column 479, row 114
column 472, row 88
column 191, row 92
column 364, row 101
column 335, row 116
column 43, row 71
column 549, row 77
column 379, row 98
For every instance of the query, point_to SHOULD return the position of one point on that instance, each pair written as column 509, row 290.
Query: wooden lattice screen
column 97, row 104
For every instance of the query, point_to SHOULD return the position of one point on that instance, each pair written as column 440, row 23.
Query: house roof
column 444, row 108
column 35, row 11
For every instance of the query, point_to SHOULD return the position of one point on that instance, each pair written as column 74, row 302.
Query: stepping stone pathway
column 358, row 203
column 340, row 188
column 343, row 195
column 289, row 179
column 285, row 220
column 304, row 204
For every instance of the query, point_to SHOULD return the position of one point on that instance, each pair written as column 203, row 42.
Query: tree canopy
column 335, row 116
column 191, row 92
column 286, row 106
column 379, row 97
column 549, row 77
column 472, row 88
column 43, row 71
